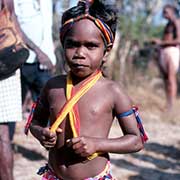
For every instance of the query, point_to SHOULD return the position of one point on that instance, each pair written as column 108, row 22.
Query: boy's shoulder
column 112, row 85
column 111, row 82
column 57, row 81
column 117, row 91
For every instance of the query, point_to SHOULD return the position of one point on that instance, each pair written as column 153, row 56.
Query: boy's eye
column 75, row 44
column 91, row 46
column 71, row 44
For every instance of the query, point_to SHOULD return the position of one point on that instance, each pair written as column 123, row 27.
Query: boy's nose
column 79, row 52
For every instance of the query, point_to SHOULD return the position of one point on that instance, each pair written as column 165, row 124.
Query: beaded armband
column 134, row 111
column 30, row 117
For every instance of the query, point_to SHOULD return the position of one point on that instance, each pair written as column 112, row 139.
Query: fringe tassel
column 140, row 126
column 30, row 117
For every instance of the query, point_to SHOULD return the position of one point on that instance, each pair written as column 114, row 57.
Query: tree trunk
column 109, row 65
column 123, row 53
column 153, row 9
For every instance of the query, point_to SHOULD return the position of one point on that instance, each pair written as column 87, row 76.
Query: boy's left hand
column 84, row 146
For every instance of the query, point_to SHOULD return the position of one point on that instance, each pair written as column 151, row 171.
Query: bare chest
column 95, row 109
column 170, row 32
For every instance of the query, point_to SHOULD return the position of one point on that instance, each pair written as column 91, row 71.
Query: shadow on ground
column 163, row 166
column 27, row 153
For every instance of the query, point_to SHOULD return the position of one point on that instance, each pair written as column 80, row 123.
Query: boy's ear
column 106, row 52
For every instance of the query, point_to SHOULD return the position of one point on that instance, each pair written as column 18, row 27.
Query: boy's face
column 84, row 48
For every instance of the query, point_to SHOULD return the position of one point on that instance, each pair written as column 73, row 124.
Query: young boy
column 78, row 143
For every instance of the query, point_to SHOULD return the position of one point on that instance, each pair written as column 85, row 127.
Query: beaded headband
column 103, row 27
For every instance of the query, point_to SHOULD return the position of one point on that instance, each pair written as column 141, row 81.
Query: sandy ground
column 160, row 159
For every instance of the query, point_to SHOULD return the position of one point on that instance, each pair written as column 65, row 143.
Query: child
column 78, row 144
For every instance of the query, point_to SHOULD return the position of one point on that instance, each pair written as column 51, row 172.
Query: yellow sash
column 69, row 106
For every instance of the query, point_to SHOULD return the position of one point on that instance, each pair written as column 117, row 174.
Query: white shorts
column 170, row 54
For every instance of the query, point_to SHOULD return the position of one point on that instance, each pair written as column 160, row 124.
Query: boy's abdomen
column 67, row 165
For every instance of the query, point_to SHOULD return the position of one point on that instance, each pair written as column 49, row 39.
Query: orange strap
column 69, row 106
column 72, row 100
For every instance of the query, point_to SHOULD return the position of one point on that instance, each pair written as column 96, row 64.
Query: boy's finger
column 51, row 139
column 49, row 143
column 47, row 133
column 59, row 130
column 71, row 142
column 76, row 140
column 79, row 147
column 52, row 135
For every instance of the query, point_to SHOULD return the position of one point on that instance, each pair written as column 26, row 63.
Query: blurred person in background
column 35, row 18
column 170, row 53
column 10, row 108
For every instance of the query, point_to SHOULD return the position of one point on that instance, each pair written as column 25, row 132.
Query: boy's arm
column 41, row 56
column 39, row 124
column 131, row 140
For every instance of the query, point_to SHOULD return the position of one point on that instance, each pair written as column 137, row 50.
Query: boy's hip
column 104, row 175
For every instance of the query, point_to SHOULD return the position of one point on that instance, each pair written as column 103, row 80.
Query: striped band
column 104, row 28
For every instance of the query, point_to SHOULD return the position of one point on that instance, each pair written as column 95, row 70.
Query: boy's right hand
column 47, row 138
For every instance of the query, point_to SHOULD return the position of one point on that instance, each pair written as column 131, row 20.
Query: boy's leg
column 6, row 154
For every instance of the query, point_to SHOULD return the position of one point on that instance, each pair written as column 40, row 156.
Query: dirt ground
column 160, row 159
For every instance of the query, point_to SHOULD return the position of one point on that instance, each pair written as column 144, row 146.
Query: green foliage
column 156, row 31
column 137, row 28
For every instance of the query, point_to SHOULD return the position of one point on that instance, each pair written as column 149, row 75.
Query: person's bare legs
column 6, row 154
column 171, row 85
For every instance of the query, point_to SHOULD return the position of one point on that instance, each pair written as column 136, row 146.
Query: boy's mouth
column 76, row 65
